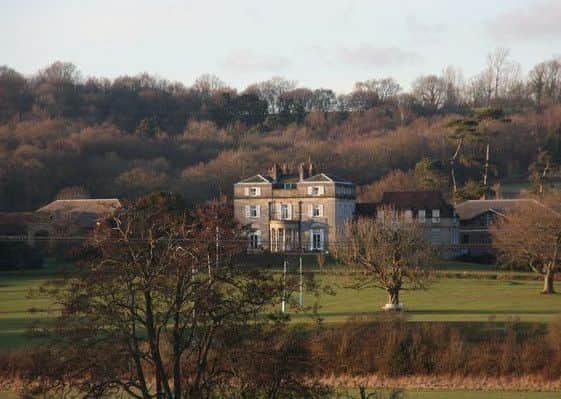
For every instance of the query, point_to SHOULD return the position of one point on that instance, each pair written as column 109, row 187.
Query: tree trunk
column 393, row 299
column 544, row 174
column 453, row 176
column 393, row 296
column 548, row 283
column 486, row 169
column 162, row 381
column 453, row 164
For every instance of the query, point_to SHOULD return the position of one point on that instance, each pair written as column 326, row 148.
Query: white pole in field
column 301, row 285
column 193, row 282
column 283, row 288
column 217, row 245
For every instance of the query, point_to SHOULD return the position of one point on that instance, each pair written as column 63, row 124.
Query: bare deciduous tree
column 530, row 236
column 208, row 84
column 544, row 82
column 160, row 311
column 453, row 78
column 384, row 89
column 430, row 91
column 504, row 72
column 391, row 251
column 271, row 91
column 497, row 62
column 479, row 90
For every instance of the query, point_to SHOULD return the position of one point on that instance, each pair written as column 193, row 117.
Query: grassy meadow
column 18, row 309
column 482, row 294
column 467, row 300
column 479, row 294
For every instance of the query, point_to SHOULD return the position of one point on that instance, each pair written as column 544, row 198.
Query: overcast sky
column 324, row 43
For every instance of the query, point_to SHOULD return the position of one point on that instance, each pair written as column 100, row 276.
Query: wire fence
column 242, row 241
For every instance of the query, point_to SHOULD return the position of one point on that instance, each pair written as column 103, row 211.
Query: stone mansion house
column 303, row 210
column 292, row 212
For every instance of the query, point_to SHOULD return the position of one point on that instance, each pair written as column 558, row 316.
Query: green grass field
column 17, row 309
column 448, row 299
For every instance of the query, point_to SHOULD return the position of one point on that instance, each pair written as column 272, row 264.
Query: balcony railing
column 284, row 216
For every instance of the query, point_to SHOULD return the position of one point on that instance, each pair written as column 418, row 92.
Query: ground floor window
column 254, row 240
column 317, row 240
column 284, row 239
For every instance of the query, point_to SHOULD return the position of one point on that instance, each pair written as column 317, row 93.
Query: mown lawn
column 17, row 308
column 448, row 299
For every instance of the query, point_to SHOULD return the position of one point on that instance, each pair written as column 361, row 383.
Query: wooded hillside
column 63, row 134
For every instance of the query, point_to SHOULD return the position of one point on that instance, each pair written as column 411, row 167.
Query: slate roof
column 408, row 200
column 327, row 177
column 470, row 209
column 82, row 212
column 414, row 200
column 256, row 179
column 106, row 206
column 294, row 178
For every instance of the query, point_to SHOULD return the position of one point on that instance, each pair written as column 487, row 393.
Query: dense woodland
column 62, row 134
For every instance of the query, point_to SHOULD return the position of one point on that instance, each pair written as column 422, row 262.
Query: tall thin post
column 486, row 171
column 193, row 271
column 301, row 301
column 217, row 245
column 283, row 304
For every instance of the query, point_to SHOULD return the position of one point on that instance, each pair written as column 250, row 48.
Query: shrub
column 553, row 340
column 19, row 255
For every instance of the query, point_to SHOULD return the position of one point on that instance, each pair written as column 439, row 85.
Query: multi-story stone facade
column 293, row 212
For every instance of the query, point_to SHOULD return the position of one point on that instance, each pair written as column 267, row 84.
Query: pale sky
column 329, row 44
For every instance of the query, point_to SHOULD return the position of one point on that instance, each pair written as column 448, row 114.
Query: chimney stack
column 285, row 169
column 276, row 172
column 310, row 169
column 301, row 173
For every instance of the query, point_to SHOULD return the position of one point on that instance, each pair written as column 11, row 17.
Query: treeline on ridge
column 61, row 132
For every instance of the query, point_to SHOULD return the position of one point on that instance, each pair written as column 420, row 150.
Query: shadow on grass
column 29, row 311
column 444, row 312
column 480, row 311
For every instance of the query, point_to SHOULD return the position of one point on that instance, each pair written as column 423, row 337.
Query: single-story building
column 73, row 216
